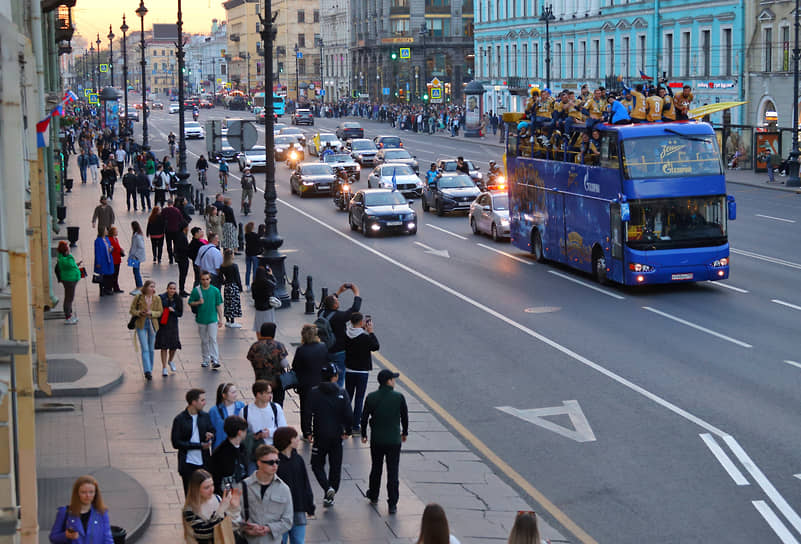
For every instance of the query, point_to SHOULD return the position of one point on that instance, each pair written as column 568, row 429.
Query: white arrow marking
column 797, row 476
column 432, row 251
column 581, row 431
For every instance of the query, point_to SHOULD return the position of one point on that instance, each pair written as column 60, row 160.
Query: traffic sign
column 385, row 91
column 94, row 98
column 322, row 92
column 300, row 54
column 242, row 135
column 104, row 67
column 436, row 93
column 405, row 52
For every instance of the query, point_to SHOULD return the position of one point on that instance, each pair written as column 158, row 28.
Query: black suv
column 303, row 117
column 450, row 193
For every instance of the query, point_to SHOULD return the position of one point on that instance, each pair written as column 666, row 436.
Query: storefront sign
column 404, row 39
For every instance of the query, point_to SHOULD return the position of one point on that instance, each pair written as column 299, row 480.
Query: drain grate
column 65, row 370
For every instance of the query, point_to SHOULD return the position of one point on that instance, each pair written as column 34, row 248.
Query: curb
column 766, row 186
column 103, row 374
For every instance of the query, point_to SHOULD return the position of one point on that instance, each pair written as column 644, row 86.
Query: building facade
column 437, row 35
column 336, row 34
column 244, row 54
column 162, row 64
column 598, row 41
column 297, row 48
column 205, row 59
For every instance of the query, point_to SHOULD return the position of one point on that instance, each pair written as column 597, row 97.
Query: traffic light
column 425, row 97
column 394, row 56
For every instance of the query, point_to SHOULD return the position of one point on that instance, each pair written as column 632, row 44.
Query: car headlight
column 635, row 267
column 504, row 222
column 358, row 168
column 307, row 183
column 719, row 263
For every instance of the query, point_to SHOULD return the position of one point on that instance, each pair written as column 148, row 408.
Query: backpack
column 158, row 180
column 324, row 331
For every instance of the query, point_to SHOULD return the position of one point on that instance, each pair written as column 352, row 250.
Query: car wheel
column 364, row 229
column 424, row 203
column 473, row 225
column 350, row 222
column 494, row 231
column 440, row 209
column 536, row 247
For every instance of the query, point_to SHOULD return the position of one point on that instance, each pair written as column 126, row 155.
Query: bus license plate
column 394, row 223
column 688, row 276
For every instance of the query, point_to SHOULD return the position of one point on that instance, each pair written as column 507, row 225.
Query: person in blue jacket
column 104, row 263
column 618, row 114
column 225, row 405
column 85, row 520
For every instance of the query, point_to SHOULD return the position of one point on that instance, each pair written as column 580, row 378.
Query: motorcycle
column 496, row 181
column 195, row 115
column 292, row 159
column 343, row 193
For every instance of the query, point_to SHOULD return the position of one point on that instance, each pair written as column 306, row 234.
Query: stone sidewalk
column 128, row 427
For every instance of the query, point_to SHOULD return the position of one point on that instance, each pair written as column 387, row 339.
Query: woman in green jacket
column 68, row 274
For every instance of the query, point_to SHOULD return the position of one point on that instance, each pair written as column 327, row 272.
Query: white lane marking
column 505, row 254
column 783, row 303
column 587, row 285
column 446, row 231
column 724, row 459
column 432, row 251
column 773, row 260
column 681, row 412
column 764, row 483
column 775, row 523
column 698, row 327
column 727, row 286
column 776, row 218
column 581, row 431
column 793, row 363
column 797, row 476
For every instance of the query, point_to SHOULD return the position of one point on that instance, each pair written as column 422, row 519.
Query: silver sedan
column 406, row 180
column 489, row 213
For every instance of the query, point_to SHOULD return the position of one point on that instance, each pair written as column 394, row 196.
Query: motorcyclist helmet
column 491, row 163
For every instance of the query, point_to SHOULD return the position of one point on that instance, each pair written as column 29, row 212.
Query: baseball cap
column 328, row 371
column 385, row 375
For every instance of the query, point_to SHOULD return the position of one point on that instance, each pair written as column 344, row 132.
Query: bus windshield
column 671, row 156
column 668, row 223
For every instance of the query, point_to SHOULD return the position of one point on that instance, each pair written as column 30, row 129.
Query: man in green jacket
column 388, row 416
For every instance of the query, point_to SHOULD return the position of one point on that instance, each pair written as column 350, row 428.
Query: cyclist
column 248, row 186
column 195, row 113
column 201, row 166
column 171, row 141
column 224, row 175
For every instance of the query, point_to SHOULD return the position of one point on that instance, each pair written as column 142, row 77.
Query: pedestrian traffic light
column 425, row 97
column 394, row 56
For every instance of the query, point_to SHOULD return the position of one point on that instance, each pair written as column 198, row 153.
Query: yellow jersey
column 545, row 107
column 668, row 110
column 639, row 109
column 654, row 104
column 596, row 107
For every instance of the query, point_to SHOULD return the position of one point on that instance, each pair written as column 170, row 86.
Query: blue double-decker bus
column 649, row 207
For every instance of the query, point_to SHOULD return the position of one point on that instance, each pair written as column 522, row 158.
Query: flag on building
column 643, row 76
column 43, row 132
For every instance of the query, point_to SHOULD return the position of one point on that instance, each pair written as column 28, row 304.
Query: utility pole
column 141, row 11
column 547, row 16
column 322, row 75
column 182, row 173
column 124, row 29
column 297, row 79
column 97, row 64
column 111, row 53
column 793, row 180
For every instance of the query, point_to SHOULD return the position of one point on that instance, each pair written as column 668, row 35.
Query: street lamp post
column 124, row 29
column 793, row 180
column 97, row 64
column 94, row 66
column 271, row 240
column 141, row 11
column 547, row 16
column 182, row 173
column 322, row 74
column 297, row 79
column 111, row 53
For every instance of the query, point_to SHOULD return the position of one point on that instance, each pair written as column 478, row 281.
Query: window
column 685, row 54
column 507, row 71
column 727, row 52
column 767, row 48
column 596, row 58
column 316, row 15
column 164, row 66
column 515, row 69
column 668, row 62
column 301, row 66
column 583, row 59
column 258, row 68
column 438, row 27
column 498, row 64
column 557, row 60
column 641, row 52
column 610, row 46
column 785, row 48
column 536, row 56
column 301, row 40
column 399, row 27
column 162, row 53
column 625, row 60
column 280, row 67
column 570, row 61
column 524, row 60
column 706, row 52
column 438, row 4
column 301, row 16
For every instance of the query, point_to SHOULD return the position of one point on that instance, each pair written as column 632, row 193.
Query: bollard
column 295, row 294
column 241, row 237
column 309, row 296
column 323, row 294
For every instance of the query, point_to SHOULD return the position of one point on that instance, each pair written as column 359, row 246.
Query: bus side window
column 609, row 151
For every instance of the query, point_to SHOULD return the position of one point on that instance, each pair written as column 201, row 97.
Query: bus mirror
column 625, row 212
column 732, row 207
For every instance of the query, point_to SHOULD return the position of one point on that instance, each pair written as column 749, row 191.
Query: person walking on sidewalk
column 310, row 358
column 331, row 422
column 267, row 510
column 192, row 435
column 146, row 308
column 361, row 342
column 173, row 224
column 168, row 341
column 208, row 303
column 229, row 236
column 103, row 215
column 85, row 519
column 292, row 471
column 194, row 246
column 119, row 157
column 155, row 231
column 108, row 177
column 263, row 291
column 229, row 462
column 386, row 413
column 252, row 252
column 104, row 263
column 69, row 274
column 129, row 183
column 181, row 249
column 83, row 164
column 214, row 221
column 117, row 253
column 263, row 415
column 226, row 404
column 136, row 255
column 93, row 165
column 209, row 259
column 268, row 357
column 161, row 183
column 204, row 510
column 434, row 527
column 232, row 287
column 525, row 530
column 338, row 320
column 143, row 188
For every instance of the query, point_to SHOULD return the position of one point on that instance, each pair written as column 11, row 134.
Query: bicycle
column 224, row 180
column 201, row 176
column 172, row 149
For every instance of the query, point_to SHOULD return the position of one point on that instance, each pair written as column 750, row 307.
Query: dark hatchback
column 303, row 117
column 387, row 142
column 377, row 211
column 349, row 129
column 312, row 178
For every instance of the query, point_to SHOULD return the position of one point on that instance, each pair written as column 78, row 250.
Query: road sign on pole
column 242, row 135
column 405, row 52
column 300, row 54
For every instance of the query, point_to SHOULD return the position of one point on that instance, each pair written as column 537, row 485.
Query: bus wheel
column 536, row 247
column 599, row 265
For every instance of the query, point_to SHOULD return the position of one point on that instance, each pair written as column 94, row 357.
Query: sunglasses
column 270, row 462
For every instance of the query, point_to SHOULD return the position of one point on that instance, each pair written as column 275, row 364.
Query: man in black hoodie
column 230, row 458
column 331, row 421
column 359, row 344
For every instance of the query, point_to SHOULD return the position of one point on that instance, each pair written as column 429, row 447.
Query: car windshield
column 671, row 156
column 317, row 170
column 332, row 157
column 455, row 182
column 191, row 124
column 397, row 154
column 500, row 203
column 391, row 142
column 256, row 150
column 362, row 145
column 327, row 137
column 351, row 125
column 278, row 126
column 398, row 170
column 225, row 143
column 677, row 222
column 392, row 198
column 285, row 140
column 303, row 112
column 291, row 130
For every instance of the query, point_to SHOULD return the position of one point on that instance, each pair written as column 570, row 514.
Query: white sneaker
column 136, row 292
column 172, row 366
column 236, row 325
column 165, row 372
column 229, row 325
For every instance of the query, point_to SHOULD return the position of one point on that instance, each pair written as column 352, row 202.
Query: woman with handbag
column 104, row 263
column 156, row 227
column 69, row 274
column 209, row 519
column 117, row 254
column 292, row 471
column 167, row 338
column 262, row 290
column 136, row 254
column 310, row 357
column 85, row 520
column 232, row 287
column 145, row 312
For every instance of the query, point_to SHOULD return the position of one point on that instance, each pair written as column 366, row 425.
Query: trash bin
column 72, row 235
column 118, row 534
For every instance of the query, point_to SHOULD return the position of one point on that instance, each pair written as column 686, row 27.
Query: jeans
column 356, row 382
column 183, row 269
column 338, row 359
column 331, row 448
column 208, row 342
column 770, row 174
column 130, row 194
column 251, row 263
column 69, row 296
column 93, row 173
column 147, row 343
column 144, row 196
column 137, row 277
column 296, row 535
column 157, row 245
column 377, row 454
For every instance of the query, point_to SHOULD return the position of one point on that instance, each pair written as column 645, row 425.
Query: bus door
column 554, row 239
column 617, row 263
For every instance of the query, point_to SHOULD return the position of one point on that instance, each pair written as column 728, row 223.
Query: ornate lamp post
column 141, row 11
column 297, row 84
column 271, row 240
column 97, row 64
column 546, row 17
column 124, row 29
column 793, row 180
column 111, row 53
column 94, row 66
column 182, row 173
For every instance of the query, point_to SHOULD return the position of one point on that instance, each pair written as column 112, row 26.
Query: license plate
column 321, row 187
column 688, row 276
column 394, row 223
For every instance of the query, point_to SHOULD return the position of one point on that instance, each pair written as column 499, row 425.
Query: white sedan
column 174, row 108
column 192, row 129
column 489, row 213
column 253, row 158
column 406, row 180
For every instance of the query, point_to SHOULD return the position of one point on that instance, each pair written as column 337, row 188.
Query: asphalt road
column 684, row 425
